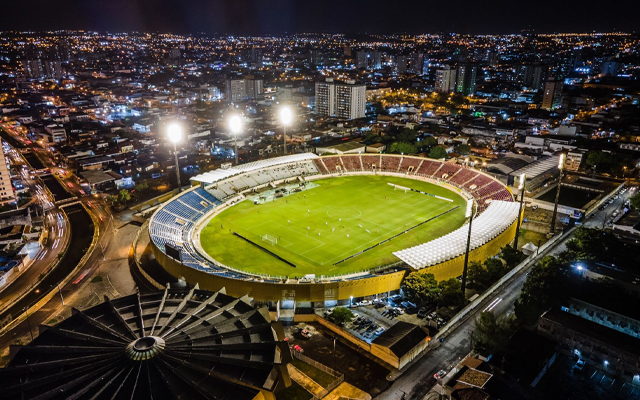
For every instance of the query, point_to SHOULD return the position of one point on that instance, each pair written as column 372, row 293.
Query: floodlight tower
column 555, row 206
column 286, row 116
column 235, row 126
column 469, row 215
column 174, row 133
column 523, row 179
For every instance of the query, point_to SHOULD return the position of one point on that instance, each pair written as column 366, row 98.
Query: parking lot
column 372, row 318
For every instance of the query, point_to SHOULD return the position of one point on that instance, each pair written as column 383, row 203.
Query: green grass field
column 321, row 226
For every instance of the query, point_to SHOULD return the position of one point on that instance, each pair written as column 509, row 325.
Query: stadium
column 309, row 228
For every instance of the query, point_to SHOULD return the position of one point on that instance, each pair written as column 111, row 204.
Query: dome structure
column 174, row 344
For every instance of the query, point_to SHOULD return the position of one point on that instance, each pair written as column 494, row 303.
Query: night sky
column 257, row 17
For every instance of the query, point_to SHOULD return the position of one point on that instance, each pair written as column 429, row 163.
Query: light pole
column 555, row 207
column 174, row 133
column 523, row 178
column 466, row 253
column 286, row 116
column 351, row 301
column 235, row 126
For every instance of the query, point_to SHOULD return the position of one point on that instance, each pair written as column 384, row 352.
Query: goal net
column 270, row 239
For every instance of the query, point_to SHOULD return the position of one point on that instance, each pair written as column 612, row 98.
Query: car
column 101, row 218
column 365, row 302
column 355, row 317
column 440, row 374
column 298, row 348
column 422, row 312
column 70, row 184
column 305, row 334
column 579, row 365
column 534, row 208
column 379, row 330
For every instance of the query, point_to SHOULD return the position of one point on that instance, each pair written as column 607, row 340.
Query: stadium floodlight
column 286, row 117
column 523, row 179
column 235, row 126
column 174, row 134
column 555, row 206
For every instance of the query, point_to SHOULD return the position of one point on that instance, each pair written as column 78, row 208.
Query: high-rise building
column 245, row 88
column 401, row 64
column 368, row 59
column 532, row 75
column 610, row 67
column 343, row 100
column 552, row 95
column 445, row 80
column 417, row 63
column 41, row 63
column 6, row 189
column 466, row 79
column 492, row 58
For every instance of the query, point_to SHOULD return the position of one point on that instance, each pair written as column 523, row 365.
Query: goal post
column 270, row 239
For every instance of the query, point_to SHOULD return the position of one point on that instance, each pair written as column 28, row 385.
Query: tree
column 421, row 286
column 341, row 315
column 112, row 199
column 603, row 161
column 491, row 333
column 437, row 152
column 124, row 196
column 141, row 186
column 511, row 256
column 477, row 274
column 451, row 293
column 463, row 149
column 495, row 269
column 403, row 148
column 407, row 135
column 544, row 288
column 429, row 141
column 635, row 201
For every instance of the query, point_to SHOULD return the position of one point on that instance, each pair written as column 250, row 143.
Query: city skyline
column 250, row 17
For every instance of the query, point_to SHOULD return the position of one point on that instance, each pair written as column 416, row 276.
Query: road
column 418, row 379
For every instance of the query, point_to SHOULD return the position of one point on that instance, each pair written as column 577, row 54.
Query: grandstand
column 178, row 222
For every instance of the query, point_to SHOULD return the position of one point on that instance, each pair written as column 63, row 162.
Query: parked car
column 440, row 374
column 422, row 312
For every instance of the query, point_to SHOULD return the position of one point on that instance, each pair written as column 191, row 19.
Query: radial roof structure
column 171, row 344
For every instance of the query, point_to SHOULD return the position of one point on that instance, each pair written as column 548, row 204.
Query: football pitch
column 344, row 225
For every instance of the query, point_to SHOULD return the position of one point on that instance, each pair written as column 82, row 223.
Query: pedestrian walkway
column 345, row 390
column 303, row 380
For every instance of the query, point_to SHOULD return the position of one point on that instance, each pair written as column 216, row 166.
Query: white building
column 445, row 80
column 343, row 100
column 57, row 133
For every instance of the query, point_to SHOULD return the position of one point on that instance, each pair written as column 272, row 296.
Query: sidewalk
column 303, row 380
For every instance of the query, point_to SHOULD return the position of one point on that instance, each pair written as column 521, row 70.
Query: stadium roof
column 539, row 167
column 401, row 338
column 492, row 222
column 219, row 174
column 172, row 344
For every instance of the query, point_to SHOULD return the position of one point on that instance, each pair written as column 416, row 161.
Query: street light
column 174, row 133
column 286, row 116
column 350, row 301
column 523, row 178
column 555, row 207
column 235, row 126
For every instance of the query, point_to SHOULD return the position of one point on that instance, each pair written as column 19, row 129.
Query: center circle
column 144, row 343
column 344, row 212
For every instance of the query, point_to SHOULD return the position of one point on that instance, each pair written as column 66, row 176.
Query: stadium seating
column 368, row 162
column 174, row 221
column 463, row 176
column 428, row 168
column 409, row 163
column 498, row 216
column 351, row 163
column 390, row 164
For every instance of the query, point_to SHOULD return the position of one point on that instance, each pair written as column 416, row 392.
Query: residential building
column 245, row 88
column 552, row 95
column 343, row 100
column 445, row 80
column 466, row 79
